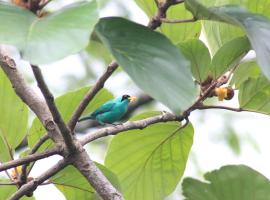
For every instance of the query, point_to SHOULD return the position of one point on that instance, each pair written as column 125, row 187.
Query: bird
column 112, row 111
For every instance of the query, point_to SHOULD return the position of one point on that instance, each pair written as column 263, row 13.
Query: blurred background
column 221, row 137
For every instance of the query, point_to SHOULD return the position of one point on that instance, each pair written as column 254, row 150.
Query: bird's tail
column 85, row 118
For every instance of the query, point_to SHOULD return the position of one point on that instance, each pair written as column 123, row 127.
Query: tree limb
column 140, row 124
column 64, row 130
column 28, row 159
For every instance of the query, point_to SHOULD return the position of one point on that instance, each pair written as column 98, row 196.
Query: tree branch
column 64, row 130
column 140, row 124
column 91, row 94
column 28, row 159
column 32, row 185
column 205, row 107
column 29, row 97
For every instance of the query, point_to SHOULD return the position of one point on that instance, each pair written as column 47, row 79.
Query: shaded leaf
column 229, row 55
column 67, row 104
column 227, row 183
column 150, row 162
column 243, row 72
column 150, row 60
column 254, row 94
column 198, row 55
column 257, row 27
column 61, row 33
column 175, row 32
column 218, row 34
column 13, row 118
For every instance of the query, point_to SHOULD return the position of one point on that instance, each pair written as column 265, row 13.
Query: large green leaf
column 233, row 182
column 243, row 72
column 75, row 186
column 46, row 39
column 254, row 94
column 175, row 32
column 150, row 162
column 7, row 190
column 257, row 27
column 150, row 59
column 218, row 34
column 13, row 118
column 67, row 104
column 229, row 55
column 199, row 57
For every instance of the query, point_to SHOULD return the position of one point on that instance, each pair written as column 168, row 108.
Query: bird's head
column 129, row 98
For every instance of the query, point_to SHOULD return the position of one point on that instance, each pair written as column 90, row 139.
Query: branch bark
column 28, row 159
column 64, row 130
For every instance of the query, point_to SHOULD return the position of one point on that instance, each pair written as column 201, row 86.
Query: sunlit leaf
column 254, row 94
column 243, row 72
column 229, row 182
column 150, row 60
column 153, row 160
column 49, row 38
column 13, row 118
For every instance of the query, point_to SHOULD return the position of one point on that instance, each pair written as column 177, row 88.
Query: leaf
column 13, row 118
column 229, row 182
column 50, row 38
column 243, row 72
column 75, row 186
column 198, row 55
column 150, row 162
column 67, row 104
column 175, row 32
column 257, row 27
column 229, row 55
column 218, row 34
column 7, row 190
column 254, row 94
column 150, row 60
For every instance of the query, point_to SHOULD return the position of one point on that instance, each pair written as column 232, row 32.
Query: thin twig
column 23, row 176
column 175, row 21
column 64, row 130
column 205, row 107
column 91, row 94
column 8, row 184
column 28, row 159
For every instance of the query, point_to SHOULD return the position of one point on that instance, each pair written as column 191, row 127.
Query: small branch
column 174, row 21
column 140, row 124
column 178, row 2
column 28, row 159
column 64, row 130
column 23, row 176
column 91, row 94
column 6, row 184
column 32, row 185
column 204, row 107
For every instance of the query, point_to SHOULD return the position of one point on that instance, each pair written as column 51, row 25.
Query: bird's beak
column 132, row 99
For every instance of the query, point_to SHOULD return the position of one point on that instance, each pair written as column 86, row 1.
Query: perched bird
column 112, row 111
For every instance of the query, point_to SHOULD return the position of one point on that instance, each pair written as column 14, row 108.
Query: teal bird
column 112, row 111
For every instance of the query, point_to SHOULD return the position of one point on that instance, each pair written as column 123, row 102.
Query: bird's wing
column 104, row 108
